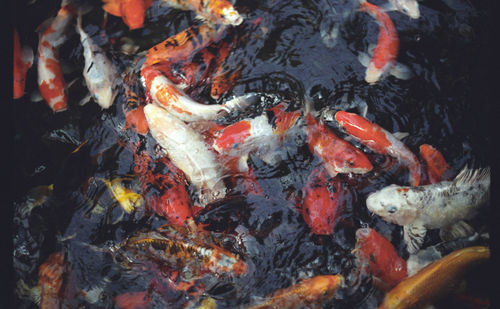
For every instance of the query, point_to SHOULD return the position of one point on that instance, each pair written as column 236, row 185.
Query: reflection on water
column 299, row 49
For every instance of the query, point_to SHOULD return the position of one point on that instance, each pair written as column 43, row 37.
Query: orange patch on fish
column 436, row 164
column 136, row 120
column 50, row 280
column 233, row 134
column 133, row 300
column 20, row 67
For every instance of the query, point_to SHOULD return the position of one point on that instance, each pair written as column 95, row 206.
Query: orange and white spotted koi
column 50, row 77
column 132, row 12
column 213, row 11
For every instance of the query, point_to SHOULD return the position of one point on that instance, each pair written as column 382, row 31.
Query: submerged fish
column 35, row 197
column 50, row 76
column 322, row 202
column 184, row 252
column 437, row 168
column 99, row 72
column 127, row 198
column 338, row 155
column 187, row 151
column 23, row 59
column 379, row 140
column 309, row 293
column 379, row 258
column 50, row 280
column 439, row 205
column 132, row 12
column 213, row 11
column 434, row 281
column 383, row 60
column 408, row 7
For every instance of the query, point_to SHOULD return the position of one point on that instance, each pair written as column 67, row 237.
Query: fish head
column 392, row 205
column 230, row 16
column 373, row 74
column 409, row 7
column 324, row 286
column 104, row 96
column 352, row 160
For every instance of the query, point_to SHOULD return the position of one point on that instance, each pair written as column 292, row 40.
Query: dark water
column 444, row 105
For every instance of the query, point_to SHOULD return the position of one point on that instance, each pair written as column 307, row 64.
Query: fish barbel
column 438, row 205
column 435, row 280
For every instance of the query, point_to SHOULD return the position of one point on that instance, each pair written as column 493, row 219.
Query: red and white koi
column 175, row 101
column 383, row 60
column 213, row 11
column 50, row 77
column 187, row 150
column 132, row 12
column 379, row 140
column 338, row 156
column 437, row 168
column 23, row 59
column 99, row 72
column 322, row 201
column 378, row 257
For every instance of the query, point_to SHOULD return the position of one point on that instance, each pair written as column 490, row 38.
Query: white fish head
column 231, row 16
column 409, row 7
column 104, row 96
column 391, row 204
column 373, row 74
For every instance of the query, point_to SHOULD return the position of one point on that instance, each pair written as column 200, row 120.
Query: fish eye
column 391, row 209
column 350, row 162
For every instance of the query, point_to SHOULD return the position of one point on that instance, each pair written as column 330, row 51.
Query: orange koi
column 378, row 257
column 437, row 168
column 165, row 193
column 133, row 108
column 133, row 300
column 213, row 11
column 337, row 155
column 434, row 281
column 50, row 77
column 223, row 81
column 132, row 12
column 379, row 140
column 178, row 251
column 183, row 44
column 322, row 201
column 23, row 59
column 50, row 280
column 309, row 293
column 385, row 52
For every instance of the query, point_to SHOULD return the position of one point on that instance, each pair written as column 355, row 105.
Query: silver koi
column 441, row 205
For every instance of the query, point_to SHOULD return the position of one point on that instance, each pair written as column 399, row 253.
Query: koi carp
column 133, row 300
column 408, row 7
column 176, row 102
column 436, row 280
column 338, row 156
column 50, row 77
column 440, row 205
column 309, row 293
column 379, row 140
column 50, row 280
column 437, row 168
column 127, row 199
column 183, row 44
column 23, row 59
column 165, row 192
column 213, row 11
column 176, row 251
column 378, row 257
column 322, row 201
column 99, row 72
column 132, row 12
column 187, row 150
column 383, row 60
column 133, row 107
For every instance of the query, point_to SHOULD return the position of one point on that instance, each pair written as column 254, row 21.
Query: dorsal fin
column 470, row 176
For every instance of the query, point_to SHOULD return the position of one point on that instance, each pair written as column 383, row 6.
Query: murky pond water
column 297, row 49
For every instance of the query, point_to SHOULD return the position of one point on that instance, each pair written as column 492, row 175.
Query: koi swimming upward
column 379, row 140
column 440, row 205
column 50, row 77
column 383, row 60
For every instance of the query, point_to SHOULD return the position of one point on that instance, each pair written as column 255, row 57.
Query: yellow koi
column 309, row 293
column 435, row 280
column 127, row 198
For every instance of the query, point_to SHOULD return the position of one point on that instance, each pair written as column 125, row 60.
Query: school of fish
column 197, row 161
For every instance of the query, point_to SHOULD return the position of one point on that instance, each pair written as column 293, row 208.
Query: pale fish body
column 408, row 7
column 187, row 150
column 439, row 205
column 99, row 72
column 167, row 95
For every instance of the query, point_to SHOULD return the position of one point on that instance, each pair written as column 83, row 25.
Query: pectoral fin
column 400, row 135
column 401, row 71
column 414, row 237
column 455, row 231
column 364, row 59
